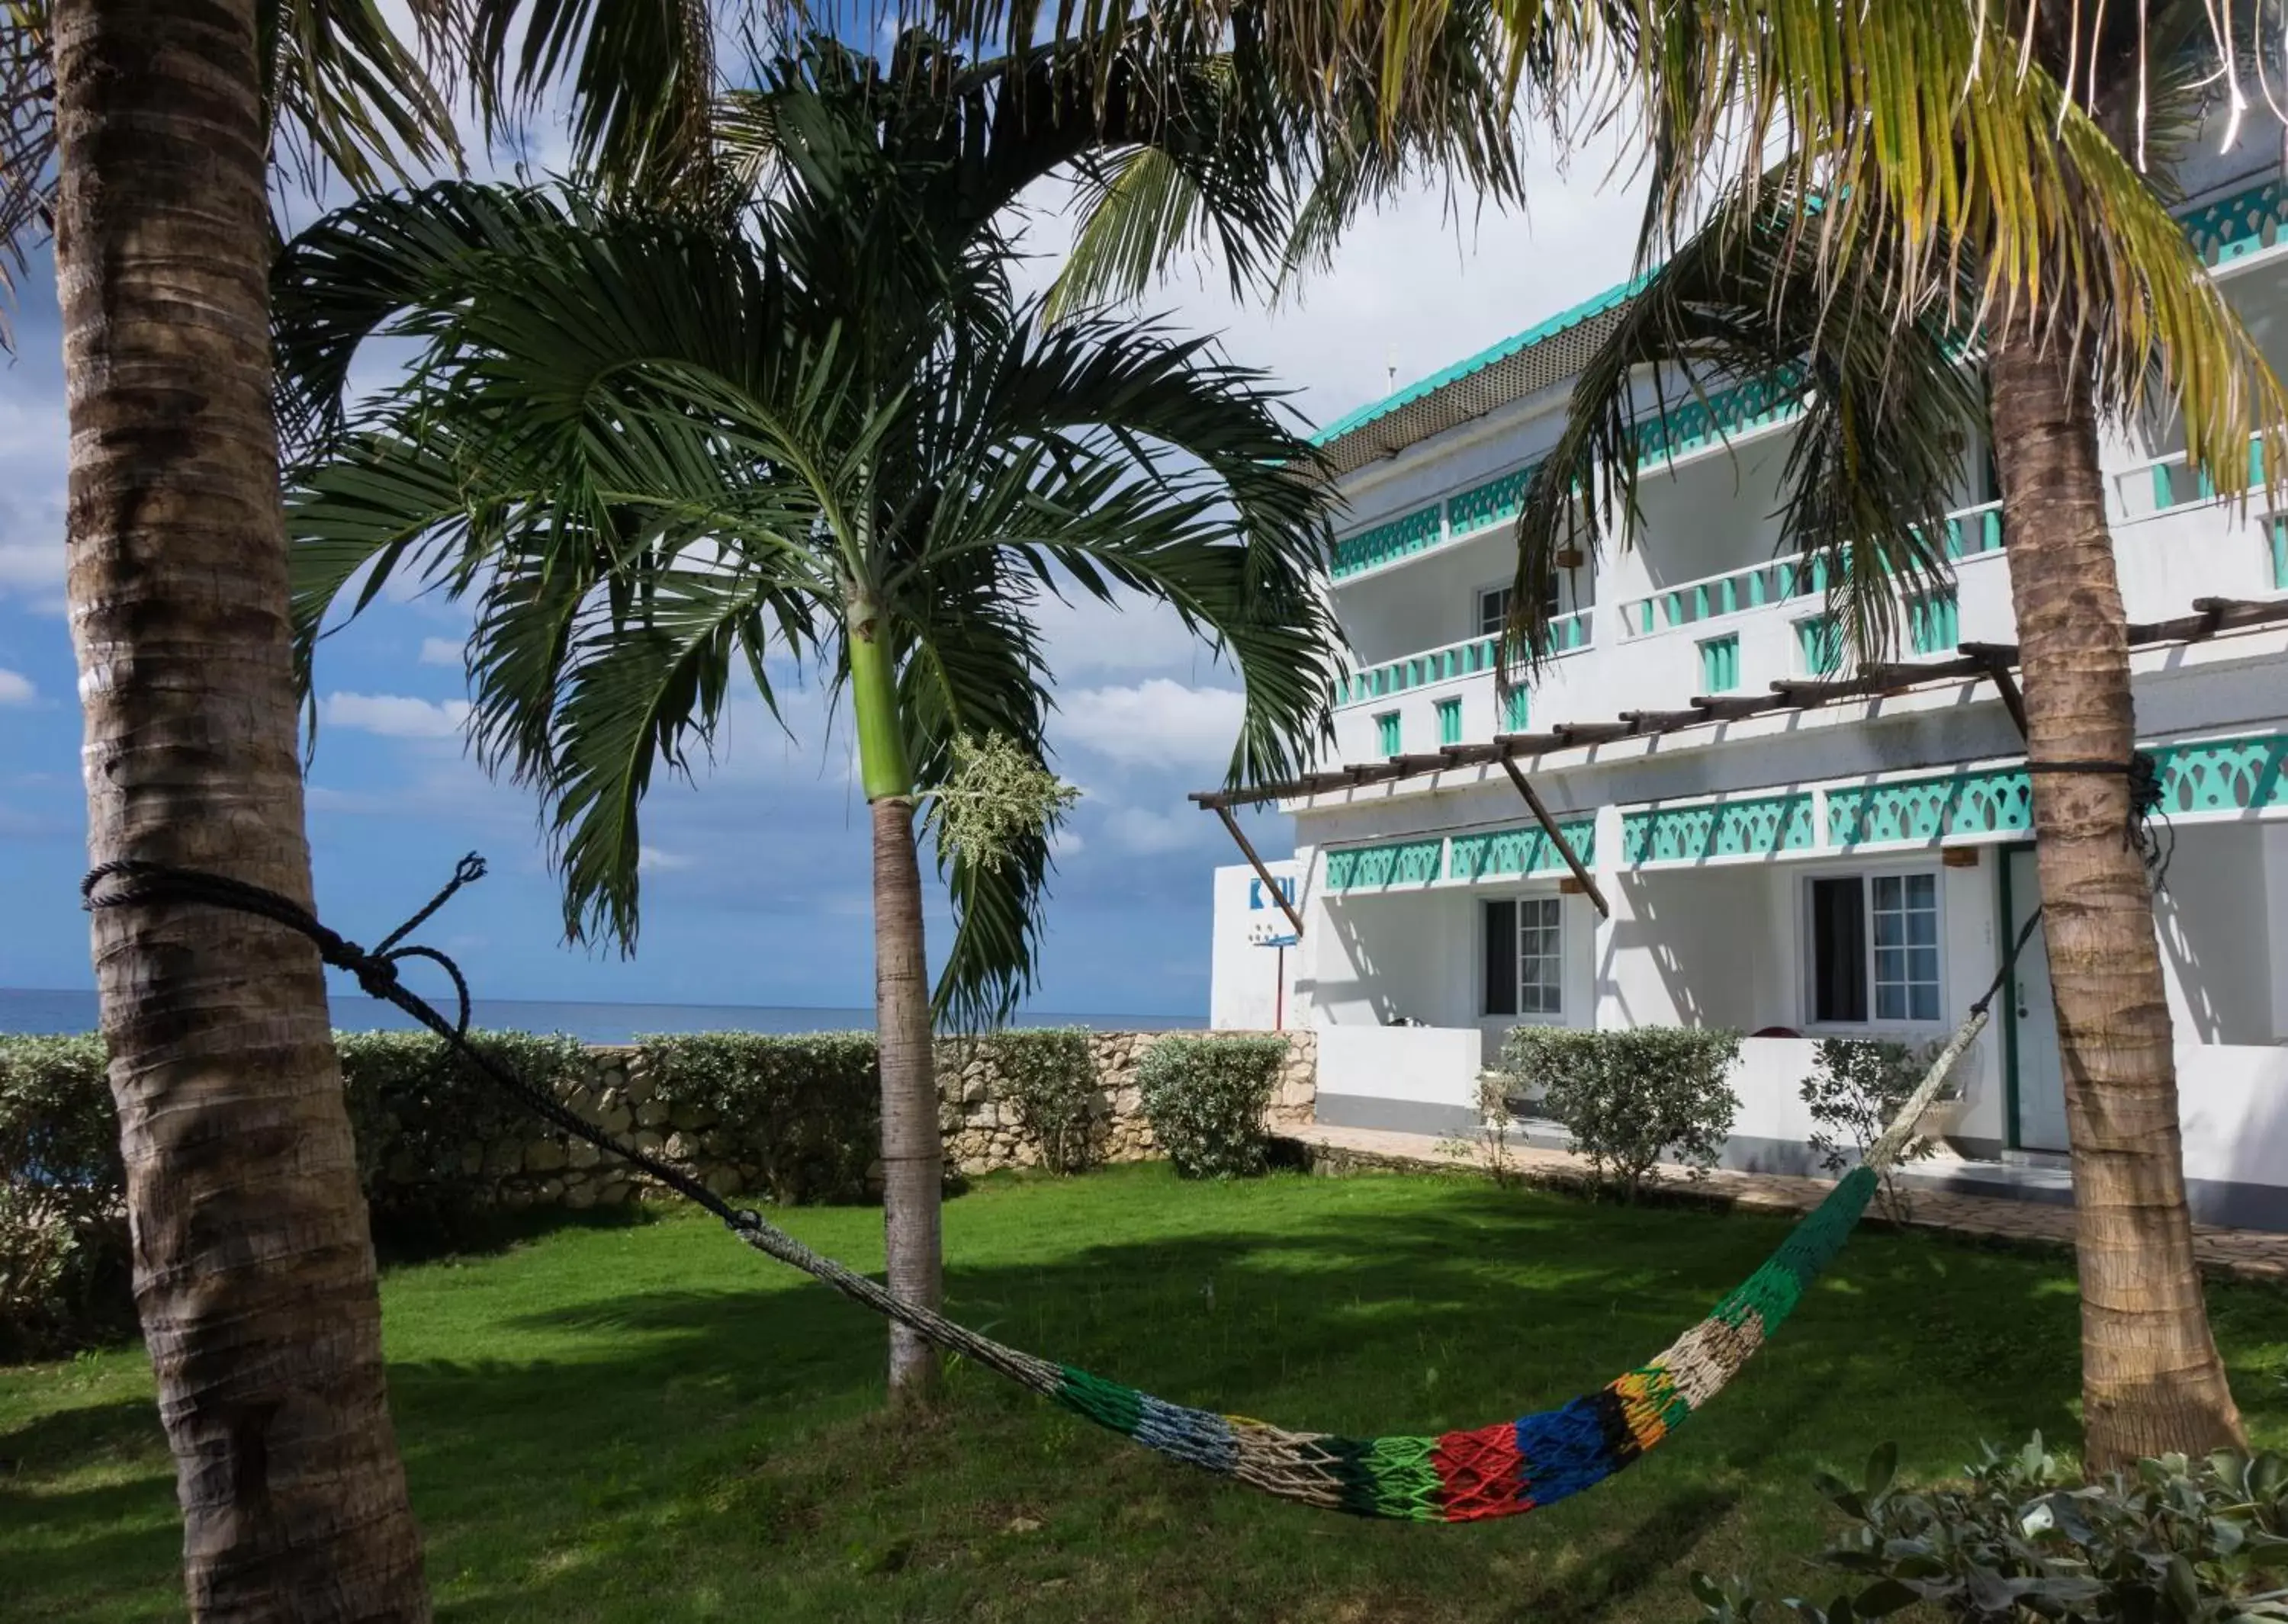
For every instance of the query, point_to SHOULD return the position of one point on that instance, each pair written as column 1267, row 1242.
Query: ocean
column 33, row 1011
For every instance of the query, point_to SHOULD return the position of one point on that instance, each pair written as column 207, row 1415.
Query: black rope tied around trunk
column 131, row 883
column 2146, row 794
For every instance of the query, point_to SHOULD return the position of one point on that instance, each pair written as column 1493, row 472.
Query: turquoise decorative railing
column 2232, row 226
column 1934, row 622
column 1696, row 424
column 1970, row 534
column 1411, row 533
column 2210, row 775
column 1567, row 632
column 1378, row 867
column 2279, row 528
column 1759, row 827
column 1526, row 849
column 1489, row 503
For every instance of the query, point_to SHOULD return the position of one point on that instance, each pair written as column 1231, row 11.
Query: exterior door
column 2036, row 1075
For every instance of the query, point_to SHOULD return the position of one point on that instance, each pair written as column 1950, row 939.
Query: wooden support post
column 1564, row 846
column 2014, row 701
column 1248, row 847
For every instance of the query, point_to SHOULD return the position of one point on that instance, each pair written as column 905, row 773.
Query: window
column 1819, row 645
column 1515, row 709
column 1935, row 622
column 1720, row 664
column 1525, row 958
column 1385, row 728
column 1449, row 721
column 1493, row 607
column 1874, row 946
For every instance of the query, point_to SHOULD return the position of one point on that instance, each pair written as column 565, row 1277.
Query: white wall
column 1419, row 1066
column 2212, row 917
column 1243, row 979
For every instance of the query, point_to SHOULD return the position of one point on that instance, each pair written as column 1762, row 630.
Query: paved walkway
column 2239, row 1252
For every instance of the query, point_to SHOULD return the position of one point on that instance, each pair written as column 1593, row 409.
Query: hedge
column 1631, row 1098
column 1205, row 1098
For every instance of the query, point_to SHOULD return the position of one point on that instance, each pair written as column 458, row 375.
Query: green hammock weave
column 1498, row 1470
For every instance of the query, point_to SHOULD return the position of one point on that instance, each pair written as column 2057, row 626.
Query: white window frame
column 1478, row 603
column 1807, row 945
column 1524, row 1017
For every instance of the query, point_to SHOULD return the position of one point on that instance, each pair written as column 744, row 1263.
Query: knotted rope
column 1499, row 1471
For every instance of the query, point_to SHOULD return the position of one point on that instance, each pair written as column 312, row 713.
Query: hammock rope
column 1498, row 1470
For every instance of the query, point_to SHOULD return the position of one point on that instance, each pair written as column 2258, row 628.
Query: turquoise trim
column 1759, row 827
column 2280, row 554
column 2241, row 223
column 1564, row 320
column 1489, row 503
column 1408, row 533
column 1386, row 732
column 1525, row 849
column 1377, row 867
column 1720, row 664
column 1517, row 710
column 2211, row 775
column 1449, row 721
column 1698, row 424
column 1935, row 622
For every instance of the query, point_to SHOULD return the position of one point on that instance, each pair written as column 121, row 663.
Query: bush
column 1205, row 1098
column 417, row 1109
column 1856, row 1086
column 64, row 1260
column 1049, row 1076
column 805, row 1110
column 1632, row 1098
column 2175, row 1542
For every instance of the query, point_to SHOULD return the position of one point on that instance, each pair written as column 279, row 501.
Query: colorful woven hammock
column 1500, row 1470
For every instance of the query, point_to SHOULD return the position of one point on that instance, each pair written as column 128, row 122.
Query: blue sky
column 756, row 881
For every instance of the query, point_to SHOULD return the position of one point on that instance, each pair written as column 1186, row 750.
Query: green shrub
column 805, row 1110
column 1049, row 1075
column 1205, row 1098
column 2174, row 1542
column 1632, row 1098
column 64, row 1260
column 417, row 1110
column 1856, row 1086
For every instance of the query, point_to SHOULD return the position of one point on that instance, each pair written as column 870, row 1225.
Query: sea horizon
column 49, row 1011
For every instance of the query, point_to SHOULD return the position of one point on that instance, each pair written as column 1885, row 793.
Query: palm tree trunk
column 913, row 1151
column 254, row 1272
column 2151, row 1380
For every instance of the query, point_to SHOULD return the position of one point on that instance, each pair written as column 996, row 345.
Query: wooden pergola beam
column 1261, row 873
column 1557, row 837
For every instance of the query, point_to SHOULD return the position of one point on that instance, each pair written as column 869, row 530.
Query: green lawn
column 648, row 1421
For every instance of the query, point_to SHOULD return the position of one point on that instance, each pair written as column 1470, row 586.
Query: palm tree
column 658, row 453
column 1873, row 467
column 143, row 132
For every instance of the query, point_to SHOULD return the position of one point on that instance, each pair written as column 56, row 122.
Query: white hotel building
column 1844, row 868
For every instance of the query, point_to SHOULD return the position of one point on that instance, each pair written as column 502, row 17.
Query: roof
column 1522, row 364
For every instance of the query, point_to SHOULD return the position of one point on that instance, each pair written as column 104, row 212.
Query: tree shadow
column 631, row 1452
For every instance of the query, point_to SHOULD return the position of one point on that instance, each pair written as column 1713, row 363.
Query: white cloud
column 440, row 651
column 15, row 688
column 1131, row 635
column 395, row 715
column 1144, row 832
column 651, row 859
column 1156, row 722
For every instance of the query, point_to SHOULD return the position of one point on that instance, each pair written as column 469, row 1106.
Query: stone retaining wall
column 983, row 1129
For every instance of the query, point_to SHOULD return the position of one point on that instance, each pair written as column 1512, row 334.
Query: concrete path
column 2239, row 1252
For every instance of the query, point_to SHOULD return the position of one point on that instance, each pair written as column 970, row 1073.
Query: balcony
column 1473, row 657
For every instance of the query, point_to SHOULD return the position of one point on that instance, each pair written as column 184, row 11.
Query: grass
column 647, row 1421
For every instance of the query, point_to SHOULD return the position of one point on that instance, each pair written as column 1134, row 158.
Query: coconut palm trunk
column 913, row 1151
column 254, row 1274
column 2151, row 1380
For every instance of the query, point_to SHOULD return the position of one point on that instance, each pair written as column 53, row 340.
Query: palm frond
column 1876, row 458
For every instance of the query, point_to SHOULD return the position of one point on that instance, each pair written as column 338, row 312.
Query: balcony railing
column 2239, row 225
column 1566, row 633
column 1970, row 532
column 2174, row 482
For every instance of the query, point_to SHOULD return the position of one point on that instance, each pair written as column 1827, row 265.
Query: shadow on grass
column 696, row 1450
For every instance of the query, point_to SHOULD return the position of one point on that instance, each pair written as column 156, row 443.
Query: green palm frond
column 1875, row 461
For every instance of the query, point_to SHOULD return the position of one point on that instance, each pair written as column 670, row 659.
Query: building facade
column 1851, row 868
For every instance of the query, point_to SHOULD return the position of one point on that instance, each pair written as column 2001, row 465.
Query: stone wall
column 983, row 1132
